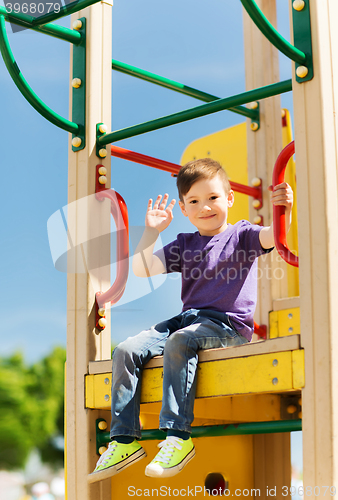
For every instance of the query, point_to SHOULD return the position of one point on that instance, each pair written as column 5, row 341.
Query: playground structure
column 294, row 368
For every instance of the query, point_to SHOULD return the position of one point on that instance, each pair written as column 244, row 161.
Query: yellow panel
column 251, row 374
column 298, row 368
column 263, row 373
column 285, row 322
column 231, row 456
column 229, row 148
column 292, row 238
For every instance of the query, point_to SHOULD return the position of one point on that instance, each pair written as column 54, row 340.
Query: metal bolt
column 256, row 181
column 76, row 142
column 298, row 5
column 302, row 71
column 283, row 113
column 102, row 425
column 77, row 25
column 256, row 204
column 106, row 381
column 291, row 409
column 290, row 315
column 275, row 362
column 290, row 329
column 103, row 128
column 102, row 153
column 254, row 126
column 257, row 219
column 253, row 105
column 76, row 83
column 275, row 381
column 102, row 171
column 107, row 397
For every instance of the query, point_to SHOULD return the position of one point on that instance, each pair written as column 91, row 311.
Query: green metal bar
column 177, row 87
column 203, row 110
column 272, row 34
column 54, row 30
column 64, row 11
column 220, row 430
column 25, row 89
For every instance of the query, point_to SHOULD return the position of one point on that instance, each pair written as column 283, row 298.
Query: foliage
column 31, row 401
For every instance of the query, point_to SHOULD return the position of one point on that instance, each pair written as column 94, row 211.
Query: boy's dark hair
column 195, row 170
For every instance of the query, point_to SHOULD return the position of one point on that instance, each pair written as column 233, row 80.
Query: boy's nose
column 205, row 208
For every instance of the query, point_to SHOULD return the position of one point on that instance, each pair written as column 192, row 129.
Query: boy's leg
column 179, row 388
column 180, row 364
column 129, row 357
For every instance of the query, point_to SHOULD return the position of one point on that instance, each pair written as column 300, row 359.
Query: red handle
column 279, row 226
column 119, row 211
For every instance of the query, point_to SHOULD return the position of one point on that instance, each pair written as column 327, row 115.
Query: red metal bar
column 126, row 154
column 120, row 213
column 279, row 223
column 260, row 330
column 145, row 160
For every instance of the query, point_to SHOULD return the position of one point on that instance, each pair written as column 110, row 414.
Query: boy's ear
column 231, row 198
column 182, row 207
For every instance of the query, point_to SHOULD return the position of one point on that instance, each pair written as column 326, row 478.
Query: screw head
column 102, row 449
column 257, row 220
column 254, row 126
column 76, row 142
column 102, row 170
column 77, row 25
column 102, row 322
column 256, row 204
column 103, row 128
column 106, row 381
column 275, row 381
column 76, row 83
column 275, row 362
column 106, row 397
column 283, row 113
column 302, row 71
column 290, row 315
column 102, row 179
column 103, row 153
column 256, row 181
column 290, row 329
column 298, row 5
column 253, row 105
column 102, row 425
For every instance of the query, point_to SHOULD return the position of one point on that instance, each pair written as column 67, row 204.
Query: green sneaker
column 174, row 455
column 117, row 457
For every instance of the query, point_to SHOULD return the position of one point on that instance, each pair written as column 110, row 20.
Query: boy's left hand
column 282, row 195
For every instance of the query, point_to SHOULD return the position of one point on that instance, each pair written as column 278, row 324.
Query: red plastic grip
column 279, row 226
column 119, row 212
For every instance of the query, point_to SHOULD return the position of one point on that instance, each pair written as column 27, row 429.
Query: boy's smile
column 206, row 205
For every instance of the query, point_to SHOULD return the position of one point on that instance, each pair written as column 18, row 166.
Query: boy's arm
column 146, row 264
column 282, row 195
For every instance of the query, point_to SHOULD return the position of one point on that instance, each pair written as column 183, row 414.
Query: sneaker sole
column 173, row 470
column 115, row 469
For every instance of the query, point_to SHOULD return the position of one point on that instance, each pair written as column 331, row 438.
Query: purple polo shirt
column 219, row 272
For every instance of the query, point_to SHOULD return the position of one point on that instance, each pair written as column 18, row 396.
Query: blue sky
column 194, row 42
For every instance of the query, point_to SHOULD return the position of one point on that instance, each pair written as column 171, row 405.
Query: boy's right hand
column 159, row 217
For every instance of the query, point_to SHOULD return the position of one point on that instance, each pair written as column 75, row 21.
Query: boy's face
column 206, row 205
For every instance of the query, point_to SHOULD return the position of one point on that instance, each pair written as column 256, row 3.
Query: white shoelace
column 168, row 447
column 103, row 460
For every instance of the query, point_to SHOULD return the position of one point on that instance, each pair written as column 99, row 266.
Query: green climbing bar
column 272, row 34
column 203, row 110
column 71, row 8
column 25, row 89
column 220, row 430
column 178, row 87
column 53, row 30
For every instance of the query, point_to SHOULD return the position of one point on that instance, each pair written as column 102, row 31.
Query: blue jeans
column 179, row 340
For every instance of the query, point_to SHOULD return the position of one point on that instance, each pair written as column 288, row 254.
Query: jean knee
column 177, row 343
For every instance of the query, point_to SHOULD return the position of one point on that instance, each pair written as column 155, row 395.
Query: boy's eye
column 193, row 201
column 214, row 197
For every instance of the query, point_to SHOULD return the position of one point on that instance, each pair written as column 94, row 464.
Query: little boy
column 219, row 286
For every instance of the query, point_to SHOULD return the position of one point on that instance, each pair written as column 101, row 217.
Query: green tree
column 31, row 402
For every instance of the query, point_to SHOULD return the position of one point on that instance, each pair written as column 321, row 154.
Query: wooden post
column 264, row 145
column 316, row 134
column 88, row 220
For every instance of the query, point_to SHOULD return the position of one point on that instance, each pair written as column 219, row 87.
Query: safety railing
column 279, row 221
column 119, row 212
